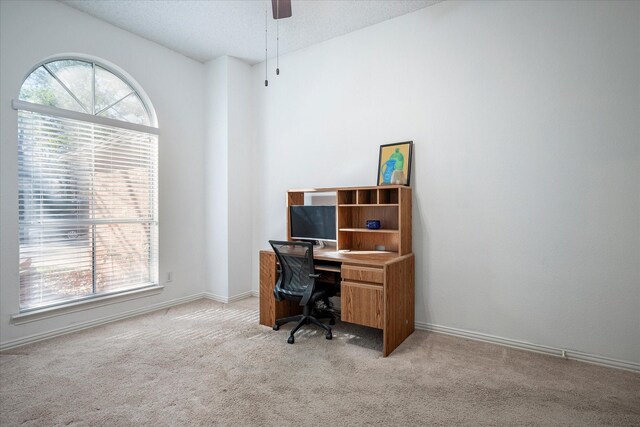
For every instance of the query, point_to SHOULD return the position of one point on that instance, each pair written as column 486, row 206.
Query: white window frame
column 96, row 300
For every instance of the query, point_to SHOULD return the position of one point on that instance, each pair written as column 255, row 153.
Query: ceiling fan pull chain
column 278, row 38
column 266, row 80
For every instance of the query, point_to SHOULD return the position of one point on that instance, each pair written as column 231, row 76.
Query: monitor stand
column 317, row 244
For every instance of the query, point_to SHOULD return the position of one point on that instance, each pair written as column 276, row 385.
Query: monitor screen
column 313, row 222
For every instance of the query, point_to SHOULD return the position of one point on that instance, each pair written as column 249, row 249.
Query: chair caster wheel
column 328, row 336
column 291, row 340
column 276, row 327
column 332, row 321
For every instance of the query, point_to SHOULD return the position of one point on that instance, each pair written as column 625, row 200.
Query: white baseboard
column 226, row 300
column 567, row 354
column 90, row 324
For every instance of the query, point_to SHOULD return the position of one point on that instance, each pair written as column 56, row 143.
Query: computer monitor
column 313, row 223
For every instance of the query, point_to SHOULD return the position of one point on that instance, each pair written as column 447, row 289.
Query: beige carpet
column 206, row 363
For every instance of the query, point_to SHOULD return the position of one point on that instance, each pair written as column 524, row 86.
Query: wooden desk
column 377, row 290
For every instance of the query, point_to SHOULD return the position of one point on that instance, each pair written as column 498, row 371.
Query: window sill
column 73, row 307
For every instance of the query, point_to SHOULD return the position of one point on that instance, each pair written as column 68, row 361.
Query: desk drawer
column 362, row 304
column 362, row 274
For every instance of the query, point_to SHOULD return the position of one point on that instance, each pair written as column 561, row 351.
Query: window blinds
column 88, row 212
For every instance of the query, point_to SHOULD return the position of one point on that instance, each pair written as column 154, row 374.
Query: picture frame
column 394, row 163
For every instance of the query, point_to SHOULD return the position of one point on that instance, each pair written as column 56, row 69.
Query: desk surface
column 377, row 258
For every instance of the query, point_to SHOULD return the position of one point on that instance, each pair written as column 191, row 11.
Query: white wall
column 525, row 118
column 227, row 168
column 31, row 31
column 241, row 191
column 216, row 171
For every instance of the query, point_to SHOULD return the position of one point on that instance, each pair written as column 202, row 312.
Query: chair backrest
column 296, row 267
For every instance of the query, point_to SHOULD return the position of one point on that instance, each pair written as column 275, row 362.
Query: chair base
column 305, row 318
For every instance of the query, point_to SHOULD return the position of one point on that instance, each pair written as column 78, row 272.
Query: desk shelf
column 365, row 206
column 367, row 230
column 390, row 204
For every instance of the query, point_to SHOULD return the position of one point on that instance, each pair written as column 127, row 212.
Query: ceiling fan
column 280, row 9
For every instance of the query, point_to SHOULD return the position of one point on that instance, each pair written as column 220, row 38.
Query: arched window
column 88, row 184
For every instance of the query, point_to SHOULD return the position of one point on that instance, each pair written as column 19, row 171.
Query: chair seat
column 323, row 292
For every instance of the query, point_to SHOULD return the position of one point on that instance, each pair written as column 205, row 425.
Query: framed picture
column 394, row 163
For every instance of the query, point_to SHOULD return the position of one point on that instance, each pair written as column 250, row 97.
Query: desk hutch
column 376, row 267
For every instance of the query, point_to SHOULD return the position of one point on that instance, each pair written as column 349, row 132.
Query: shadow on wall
column 421, row 252
column 420, row 246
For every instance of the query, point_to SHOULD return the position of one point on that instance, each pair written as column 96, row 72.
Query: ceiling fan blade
column 281, row 8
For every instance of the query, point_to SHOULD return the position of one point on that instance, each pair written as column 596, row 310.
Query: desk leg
column 399, row 303
column 270, row 309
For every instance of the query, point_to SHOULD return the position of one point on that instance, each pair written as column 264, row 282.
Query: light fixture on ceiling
column 280, row 9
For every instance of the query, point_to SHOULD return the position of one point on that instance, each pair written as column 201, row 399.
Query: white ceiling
column 206, row 29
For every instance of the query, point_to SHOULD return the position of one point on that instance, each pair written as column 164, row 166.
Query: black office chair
column 297, row 282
